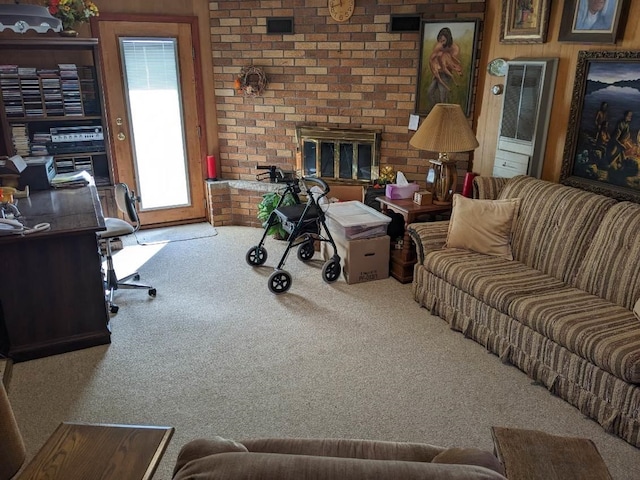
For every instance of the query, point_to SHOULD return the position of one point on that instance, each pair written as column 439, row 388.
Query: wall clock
column 341, row 10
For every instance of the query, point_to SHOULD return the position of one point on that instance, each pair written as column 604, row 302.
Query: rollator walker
column 305, row 224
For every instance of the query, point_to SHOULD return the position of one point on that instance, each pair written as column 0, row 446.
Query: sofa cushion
column 345, row 447
column 482, row 226
column 555, row 225
column 493, row 280
column 611, row 266
column 278, row 466
column 597, row 330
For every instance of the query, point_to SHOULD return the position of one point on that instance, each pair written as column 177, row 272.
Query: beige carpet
column 215, row 353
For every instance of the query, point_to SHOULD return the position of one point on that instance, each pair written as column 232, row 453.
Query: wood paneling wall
column 488, row 106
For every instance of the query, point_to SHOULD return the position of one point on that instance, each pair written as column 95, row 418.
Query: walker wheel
column 331, row 270
column 279, row 282
column 152, row 292
column 256, row 256
column 306, row 251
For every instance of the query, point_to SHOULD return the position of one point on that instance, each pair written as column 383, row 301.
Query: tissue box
column 396, row 192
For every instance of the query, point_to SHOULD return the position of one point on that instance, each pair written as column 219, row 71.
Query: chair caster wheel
column 114, row 309
column 152, row 292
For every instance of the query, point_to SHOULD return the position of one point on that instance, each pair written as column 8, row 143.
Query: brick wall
column 352, row 74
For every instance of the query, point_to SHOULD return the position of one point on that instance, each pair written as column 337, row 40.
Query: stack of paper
column 71, row 180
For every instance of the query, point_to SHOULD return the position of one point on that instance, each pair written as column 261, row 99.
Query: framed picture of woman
column 447, row 64
column 592, row 21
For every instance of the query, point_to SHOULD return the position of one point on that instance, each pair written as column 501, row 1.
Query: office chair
column 116, row 227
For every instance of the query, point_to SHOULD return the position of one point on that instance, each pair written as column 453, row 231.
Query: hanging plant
column 251, row 82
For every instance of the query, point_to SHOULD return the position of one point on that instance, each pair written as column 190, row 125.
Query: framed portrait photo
column 592, row 21
column 602, row 150
column 524, row 21
column 447, row 64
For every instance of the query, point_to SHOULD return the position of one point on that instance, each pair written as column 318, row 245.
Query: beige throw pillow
column 636, row 309
column 483, row 226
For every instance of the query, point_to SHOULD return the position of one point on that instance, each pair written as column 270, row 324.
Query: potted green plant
column 268, row 204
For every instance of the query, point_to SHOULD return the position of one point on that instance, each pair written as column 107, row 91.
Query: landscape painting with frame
column 447, row 64
column 602, row 150
column 592, row 21
column 524, row 22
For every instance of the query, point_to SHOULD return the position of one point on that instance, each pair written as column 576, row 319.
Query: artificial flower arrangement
column 72, row 12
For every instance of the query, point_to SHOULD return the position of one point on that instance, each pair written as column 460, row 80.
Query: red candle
column 467, row 187
column 211, row 167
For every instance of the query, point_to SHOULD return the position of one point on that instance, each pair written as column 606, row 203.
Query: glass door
column 150, row 68
column 149, row 71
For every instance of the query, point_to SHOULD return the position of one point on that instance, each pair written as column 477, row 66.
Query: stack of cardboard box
column 360, row 234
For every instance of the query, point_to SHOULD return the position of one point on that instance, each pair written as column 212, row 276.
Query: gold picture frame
column 524, row 21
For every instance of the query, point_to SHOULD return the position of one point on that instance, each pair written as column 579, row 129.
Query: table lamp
column 445, row 130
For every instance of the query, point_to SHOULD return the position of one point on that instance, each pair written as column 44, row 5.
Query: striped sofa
column 562, row 310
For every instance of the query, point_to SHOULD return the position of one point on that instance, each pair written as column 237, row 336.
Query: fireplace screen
column 339, row 154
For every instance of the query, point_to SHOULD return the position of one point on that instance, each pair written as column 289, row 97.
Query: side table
column 403, row 260
column 84, row 450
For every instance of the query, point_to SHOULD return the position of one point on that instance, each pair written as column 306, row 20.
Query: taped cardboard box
column 362, row 260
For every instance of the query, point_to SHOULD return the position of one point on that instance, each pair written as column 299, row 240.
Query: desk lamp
column 445, row 130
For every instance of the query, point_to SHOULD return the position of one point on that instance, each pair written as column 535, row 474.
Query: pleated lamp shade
column 12, row 450
column 445, row 130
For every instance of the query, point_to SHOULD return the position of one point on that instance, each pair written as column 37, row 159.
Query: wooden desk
column 403, row 260
column 109, row 452
column 52, row 296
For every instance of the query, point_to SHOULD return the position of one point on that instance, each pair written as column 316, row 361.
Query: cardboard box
column 396, row 192
column 423, row 198
column 345, row 193
column 362, row 260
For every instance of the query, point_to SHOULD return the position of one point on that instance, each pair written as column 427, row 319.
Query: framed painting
column 592, row 21
column 524, row 21
column 447, row 64
column 602, row 150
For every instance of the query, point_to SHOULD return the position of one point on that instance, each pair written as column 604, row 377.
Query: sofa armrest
column 428, row 236
column 488, row 188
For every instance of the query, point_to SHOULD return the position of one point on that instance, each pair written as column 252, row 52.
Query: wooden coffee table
column 83, row 450
column 403, row 260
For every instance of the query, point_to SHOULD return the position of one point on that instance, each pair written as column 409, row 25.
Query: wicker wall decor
column 251, row 81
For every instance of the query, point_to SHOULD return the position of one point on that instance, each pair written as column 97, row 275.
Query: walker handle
column 319, row 182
